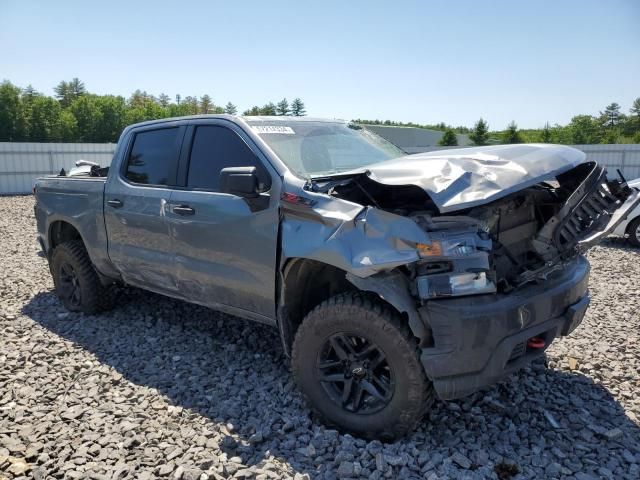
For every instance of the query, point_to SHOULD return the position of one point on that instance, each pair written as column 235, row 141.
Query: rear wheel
column 634, row 232
column 358, row 364
column 76, row 282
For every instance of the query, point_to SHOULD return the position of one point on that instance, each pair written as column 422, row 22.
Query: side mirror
column 241, row 181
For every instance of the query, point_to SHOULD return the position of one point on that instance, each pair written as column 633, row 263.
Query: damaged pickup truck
column 391, row 278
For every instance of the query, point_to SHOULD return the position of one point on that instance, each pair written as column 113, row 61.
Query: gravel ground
column 160, row 388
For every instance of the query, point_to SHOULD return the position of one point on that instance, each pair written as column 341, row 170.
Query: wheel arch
column 62, row 231
column 320, row 281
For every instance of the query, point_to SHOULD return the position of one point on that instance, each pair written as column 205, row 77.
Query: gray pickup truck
column 390, row 278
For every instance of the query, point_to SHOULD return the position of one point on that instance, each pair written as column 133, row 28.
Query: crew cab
column 390, row 278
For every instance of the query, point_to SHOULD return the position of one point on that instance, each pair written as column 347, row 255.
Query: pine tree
column 297, row 108
column 30, row 93
column 206, row 104
column 546, row 134
column 231, row 109
column 283, row 107
column 635, row 108
column 253, row 111
column 449, row 139
column 268, row 109
column 611, row 115
column 480, row 133
column 511, row 134
column 191, row 105
column 77, row 87
column 164, row 100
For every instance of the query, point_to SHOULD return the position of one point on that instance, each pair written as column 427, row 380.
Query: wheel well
column 629, row 223
column 306, row 284
column 62, row 231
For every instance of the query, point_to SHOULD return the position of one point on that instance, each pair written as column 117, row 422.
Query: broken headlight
column 465, row 256
column 454, row 284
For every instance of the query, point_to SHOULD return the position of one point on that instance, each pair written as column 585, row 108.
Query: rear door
column 224, row 245
column 136, row 200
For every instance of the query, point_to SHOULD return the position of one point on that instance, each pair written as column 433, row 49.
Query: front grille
column 591, row 214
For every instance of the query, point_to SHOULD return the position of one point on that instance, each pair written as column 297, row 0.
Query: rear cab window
column 153, row 155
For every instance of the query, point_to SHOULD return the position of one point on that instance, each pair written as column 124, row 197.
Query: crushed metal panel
column 359, row 240
column 468, row 177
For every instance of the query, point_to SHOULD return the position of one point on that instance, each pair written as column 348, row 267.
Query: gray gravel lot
column 160, row 388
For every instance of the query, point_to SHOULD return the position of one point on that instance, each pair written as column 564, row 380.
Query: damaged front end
column 477, row 283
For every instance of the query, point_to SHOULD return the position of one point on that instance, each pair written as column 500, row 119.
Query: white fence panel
column 623, row 157
column 22, row 163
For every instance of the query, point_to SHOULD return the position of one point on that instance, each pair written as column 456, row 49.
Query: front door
column 224, row 245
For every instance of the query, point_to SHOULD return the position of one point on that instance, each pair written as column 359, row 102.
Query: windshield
column 315, row 149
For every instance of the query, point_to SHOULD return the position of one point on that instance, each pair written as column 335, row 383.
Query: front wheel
column 358, row 364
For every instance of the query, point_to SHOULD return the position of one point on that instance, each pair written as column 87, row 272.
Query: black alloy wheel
column 69, row 286
column 355, row 373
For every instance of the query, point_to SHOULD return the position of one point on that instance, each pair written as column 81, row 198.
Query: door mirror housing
column 241, row 181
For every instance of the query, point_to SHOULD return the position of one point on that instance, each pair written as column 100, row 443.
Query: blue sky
column 415, row 61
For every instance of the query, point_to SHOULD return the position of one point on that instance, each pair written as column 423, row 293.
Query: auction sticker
column 273, row 129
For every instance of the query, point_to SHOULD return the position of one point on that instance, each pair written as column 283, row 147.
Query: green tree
column 268, row 109
column 206, row 104
column 611, row 136
column 231, row 109
column 511, row 134
column 88, row 117
column 30, row 93
column 164, row 100
column 44, row 120
column 635, row 108
column 77, row 87
column 546, row 136
column 191, row 104
column 113, row 118
column 297, row 108
column 584, row 130
column 480, row 133
column 253, row 111
column 611, row 115
column 66, row 130
column 67, row 92
column 12, row 115
column 283, row 107
column 449, row 138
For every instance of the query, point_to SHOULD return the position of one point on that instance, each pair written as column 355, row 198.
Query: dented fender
column 359, row 240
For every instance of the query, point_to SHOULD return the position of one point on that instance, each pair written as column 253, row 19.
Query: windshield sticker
column 273, row 129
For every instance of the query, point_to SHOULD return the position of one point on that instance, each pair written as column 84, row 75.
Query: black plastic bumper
column 480, row 339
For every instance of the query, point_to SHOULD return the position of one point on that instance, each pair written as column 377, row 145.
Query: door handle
column 115, row 203
column 183, row 210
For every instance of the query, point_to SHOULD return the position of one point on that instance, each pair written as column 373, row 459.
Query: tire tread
column 374, row 311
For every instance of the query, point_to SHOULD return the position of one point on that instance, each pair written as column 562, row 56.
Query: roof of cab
column 279, row 118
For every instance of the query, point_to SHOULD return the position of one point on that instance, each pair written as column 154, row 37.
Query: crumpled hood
column 467, row 177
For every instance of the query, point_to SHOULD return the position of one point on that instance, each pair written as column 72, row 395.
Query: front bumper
column 478, row 340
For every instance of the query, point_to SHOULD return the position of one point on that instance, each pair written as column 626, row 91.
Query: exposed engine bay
column 504, row 244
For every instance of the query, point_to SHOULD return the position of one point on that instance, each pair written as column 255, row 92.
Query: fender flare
column 394, row 288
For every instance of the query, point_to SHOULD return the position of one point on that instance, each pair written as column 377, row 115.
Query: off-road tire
column 94, row 297
column 632, row 230
column 363, row 314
